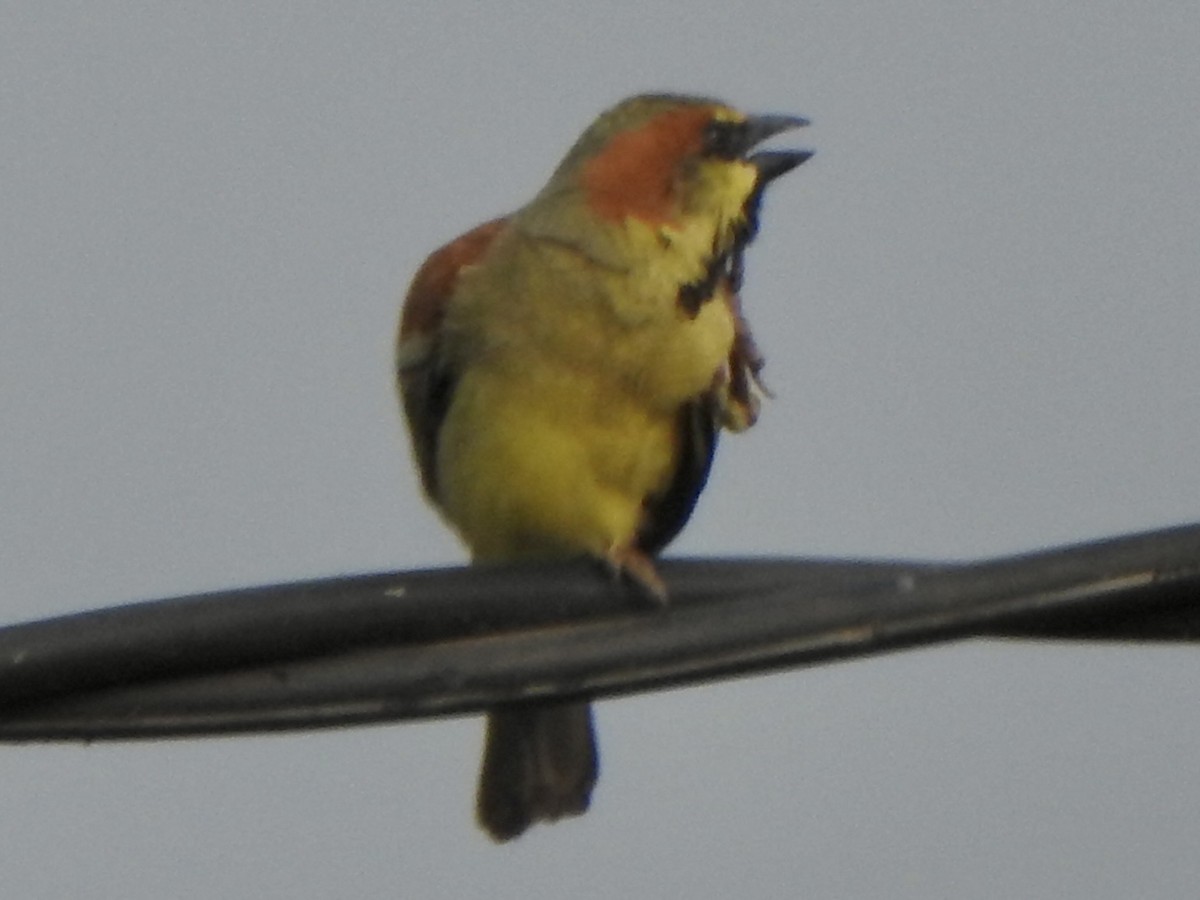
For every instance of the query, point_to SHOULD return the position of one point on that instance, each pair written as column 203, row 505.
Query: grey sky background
column 978, row 304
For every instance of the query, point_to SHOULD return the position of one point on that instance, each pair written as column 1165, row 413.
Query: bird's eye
column 725, row 140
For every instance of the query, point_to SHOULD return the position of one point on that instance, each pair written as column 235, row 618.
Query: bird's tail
column 539, row 764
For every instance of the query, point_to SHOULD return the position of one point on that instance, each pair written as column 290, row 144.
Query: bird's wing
column 665, row 514
column 732, row 402
column 424, row 381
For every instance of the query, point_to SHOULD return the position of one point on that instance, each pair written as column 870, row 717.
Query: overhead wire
column 401, row 645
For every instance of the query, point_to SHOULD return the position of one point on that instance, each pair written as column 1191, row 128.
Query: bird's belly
column 553, row 466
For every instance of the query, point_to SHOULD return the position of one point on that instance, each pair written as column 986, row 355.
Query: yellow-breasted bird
column 564, row 371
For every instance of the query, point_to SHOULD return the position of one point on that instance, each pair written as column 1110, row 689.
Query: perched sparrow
column 564, row 371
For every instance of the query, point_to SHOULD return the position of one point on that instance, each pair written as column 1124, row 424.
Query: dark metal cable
column 402, row 645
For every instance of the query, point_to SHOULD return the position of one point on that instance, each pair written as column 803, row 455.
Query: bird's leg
column 631, row 563
column 738, row 384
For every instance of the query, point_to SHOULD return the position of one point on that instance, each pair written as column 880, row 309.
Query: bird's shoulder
column 425, row 386
column 433, row 285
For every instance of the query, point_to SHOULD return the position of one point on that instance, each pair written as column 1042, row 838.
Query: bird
column 564, row 371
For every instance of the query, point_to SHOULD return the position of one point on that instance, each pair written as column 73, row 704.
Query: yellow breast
column 564, row 417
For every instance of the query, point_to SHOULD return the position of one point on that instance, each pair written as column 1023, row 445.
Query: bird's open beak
column 773, row 163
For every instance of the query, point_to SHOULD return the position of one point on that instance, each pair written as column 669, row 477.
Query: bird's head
column 663, row 172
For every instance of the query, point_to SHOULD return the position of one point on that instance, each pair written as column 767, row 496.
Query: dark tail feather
column 539, row 764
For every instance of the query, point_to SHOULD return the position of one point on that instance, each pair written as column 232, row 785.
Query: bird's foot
column 636, row 566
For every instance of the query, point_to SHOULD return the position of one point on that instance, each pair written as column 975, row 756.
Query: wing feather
column 425, row 383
